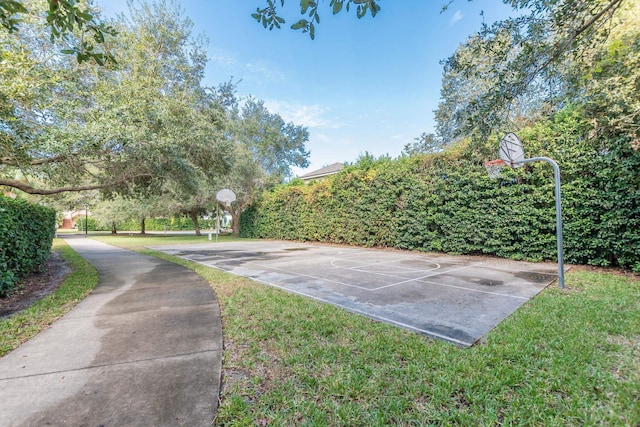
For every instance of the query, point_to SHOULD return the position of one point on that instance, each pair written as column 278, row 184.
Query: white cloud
column 221, row 57
column 455, row 18
column 312, row 116
column 264, row 70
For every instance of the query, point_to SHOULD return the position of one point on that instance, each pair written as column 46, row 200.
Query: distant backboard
column 226, row 196
column 511, row 150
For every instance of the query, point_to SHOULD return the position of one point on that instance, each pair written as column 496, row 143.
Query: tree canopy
column 516, row 66
column 146, row 124
column 69, row 21
column 71, row 127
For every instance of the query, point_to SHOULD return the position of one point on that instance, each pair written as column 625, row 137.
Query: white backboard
column 226, row 196
column 511, row 150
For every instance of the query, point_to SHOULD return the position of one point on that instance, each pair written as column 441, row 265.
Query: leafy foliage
column 177, row 223
column 423, row 144
column 274, row 144
column 66, row 127
column 516, row 67
column 269, row 18
column 26, row 233
column 67, row 21
column 264, row 149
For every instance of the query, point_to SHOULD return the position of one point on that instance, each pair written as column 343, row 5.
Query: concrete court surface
column 455, row 298
column 143, row 349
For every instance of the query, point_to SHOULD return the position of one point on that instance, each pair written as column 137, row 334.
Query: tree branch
column 612, row 4
column 12, row 162
column 23, row 186
column 563, row 45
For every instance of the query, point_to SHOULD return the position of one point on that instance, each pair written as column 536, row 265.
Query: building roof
column 325, row 171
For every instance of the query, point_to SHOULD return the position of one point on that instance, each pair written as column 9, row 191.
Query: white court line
column 417, row 279
column 279, row 269
column 476, row 290
column 358, row 267
column 428, row 275
column 351, row 309
column 367, row 314
column 312, row 277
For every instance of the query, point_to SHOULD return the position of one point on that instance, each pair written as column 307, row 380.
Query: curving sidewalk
column 143, row 349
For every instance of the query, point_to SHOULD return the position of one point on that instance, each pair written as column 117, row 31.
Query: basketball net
column 494, row 167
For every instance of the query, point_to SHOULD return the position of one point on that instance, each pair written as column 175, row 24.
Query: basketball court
column 454, row 298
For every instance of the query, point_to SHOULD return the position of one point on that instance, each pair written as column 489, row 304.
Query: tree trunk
column 235, row 219
column 194, row 218
column 142, row 228
column 113, row 228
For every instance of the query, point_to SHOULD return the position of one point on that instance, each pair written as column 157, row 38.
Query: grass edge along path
column 567, row 357
column 27, row 323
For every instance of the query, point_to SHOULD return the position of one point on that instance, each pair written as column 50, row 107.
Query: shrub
column 26, row 234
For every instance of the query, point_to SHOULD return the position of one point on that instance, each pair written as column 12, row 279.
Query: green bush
column 153, row 224
column 90, row 224
column 26, row 234
column 446, row 202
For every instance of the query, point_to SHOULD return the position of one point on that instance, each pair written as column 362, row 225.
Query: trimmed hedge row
column 26, row 234
column 447, row 203
column 152, row 224
column 171, row 224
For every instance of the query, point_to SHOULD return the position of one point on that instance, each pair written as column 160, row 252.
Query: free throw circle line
column 359, row 267
column 438, row 273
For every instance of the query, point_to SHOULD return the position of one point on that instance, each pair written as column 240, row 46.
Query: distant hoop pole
column 556, row 176
column 225, row 196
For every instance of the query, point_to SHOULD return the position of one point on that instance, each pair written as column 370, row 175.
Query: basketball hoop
column 494, row 167
column 226, row 196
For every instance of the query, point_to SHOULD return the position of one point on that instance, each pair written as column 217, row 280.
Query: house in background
column 323, row 172
column 69, row 218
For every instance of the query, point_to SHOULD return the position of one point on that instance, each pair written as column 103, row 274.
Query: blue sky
column 363, row 85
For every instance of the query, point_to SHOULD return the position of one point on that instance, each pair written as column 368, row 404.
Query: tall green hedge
column 26, row 234
column 446, row 202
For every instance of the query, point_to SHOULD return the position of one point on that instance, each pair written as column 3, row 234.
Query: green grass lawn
column 568, row 357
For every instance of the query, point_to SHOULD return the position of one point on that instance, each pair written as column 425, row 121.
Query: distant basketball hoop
column 226, row 197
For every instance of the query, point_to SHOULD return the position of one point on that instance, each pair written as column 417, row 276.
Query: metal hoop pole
column 556, row 176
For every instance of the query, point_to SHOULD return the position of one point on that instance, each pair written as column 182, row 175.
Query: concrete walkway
column 144, row 349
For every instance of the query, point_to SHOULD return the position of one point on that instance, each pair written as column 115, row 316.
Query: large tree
column 118, row 210
column 69, row 127
column 605, row 81
column 423, row 144
column 42, row 97
column 265, row 149
column 273, row 143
